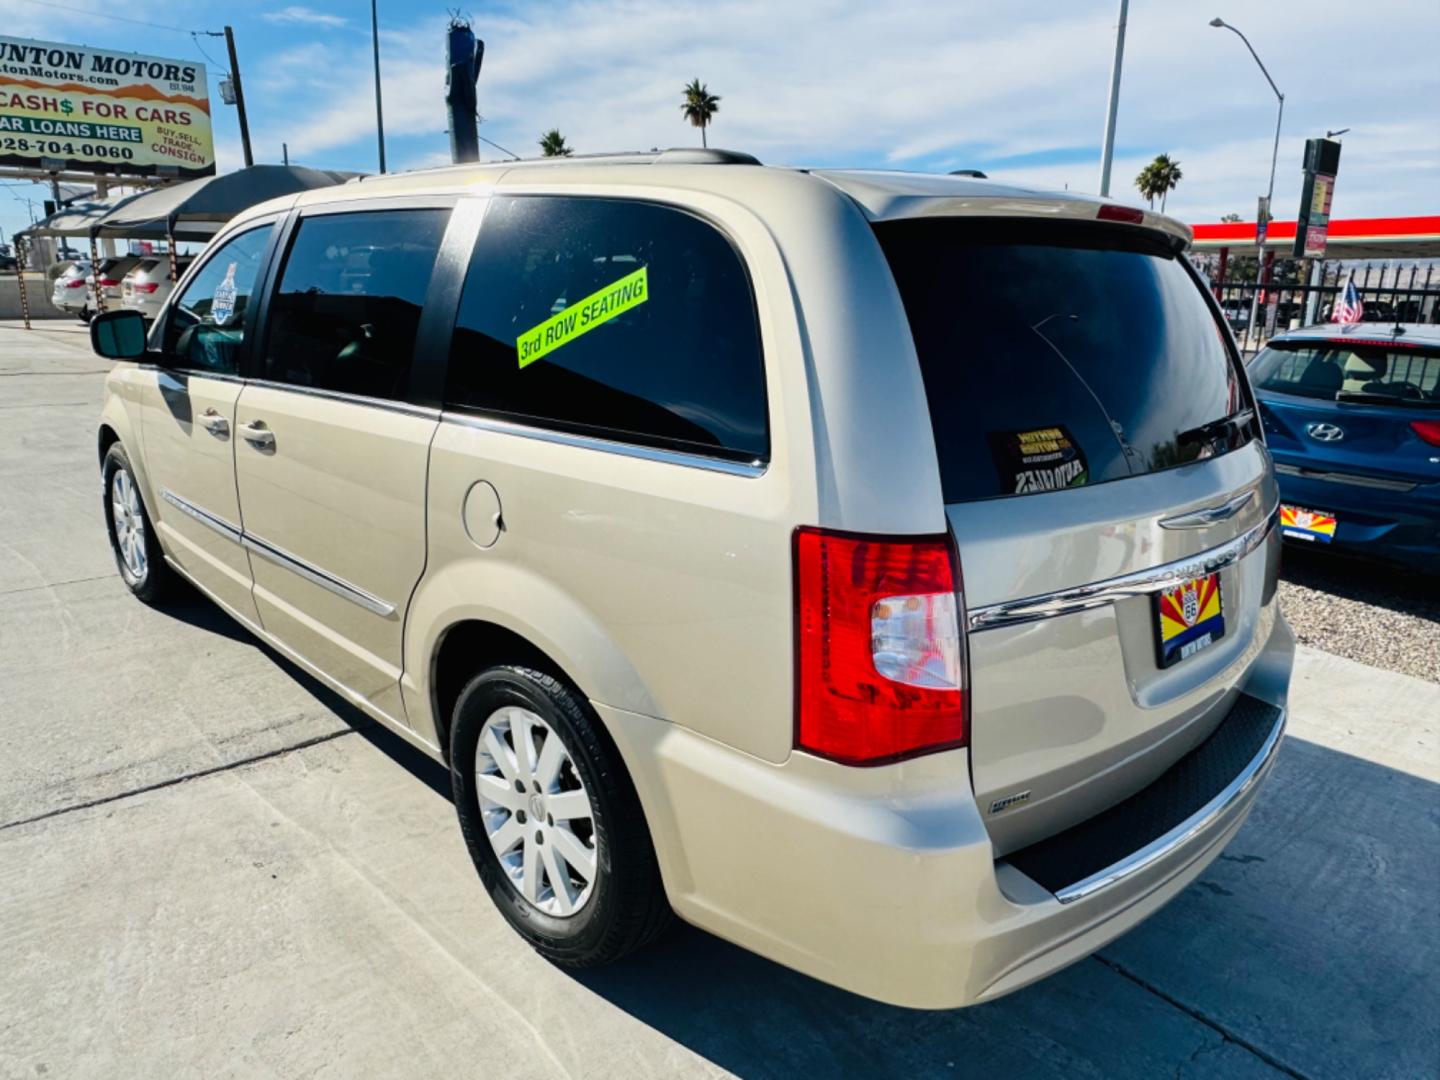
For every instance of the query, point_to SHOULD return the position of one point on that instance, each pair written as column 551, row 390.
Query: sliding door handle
column 258, row 435
column 214, row 423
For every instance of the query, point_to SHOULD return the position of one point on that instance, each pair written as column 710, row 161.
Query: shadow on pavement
column 1363, row 580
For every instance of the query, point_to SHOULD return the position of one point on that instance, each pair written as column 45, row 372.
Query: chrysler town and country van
column 875, row 570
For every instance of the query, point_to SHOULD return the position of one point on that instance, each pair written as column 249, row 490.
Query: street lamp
column 1218, row 23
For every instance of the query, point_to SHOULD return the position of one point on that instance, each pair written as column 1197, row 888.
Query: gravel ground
column 1362, row 611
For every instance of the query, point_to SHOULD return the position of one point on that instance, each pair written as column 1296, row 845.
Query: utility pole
column 1109, row 151
column 239, row 97
column 285, row 153
column 379, row 111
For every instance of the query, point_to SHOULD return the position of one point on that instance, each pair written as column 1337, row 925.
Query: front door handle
column 214, row 423
column 258, row 435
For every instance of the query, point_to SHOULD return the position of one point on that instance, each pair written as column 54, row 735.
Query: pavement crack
column 53, row 585
column 1211, row 1023
column 173, row 781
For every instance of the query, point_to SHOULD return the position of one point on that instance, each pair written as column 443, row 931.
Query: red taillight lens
column 1429, row 430
column 108, row 283
column 75, row 283
column 880, row 670
column 1127, row 214
column 145, row 286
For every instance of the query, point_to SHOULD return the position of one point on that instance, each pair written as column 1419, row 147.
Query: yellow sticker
column 583, row 316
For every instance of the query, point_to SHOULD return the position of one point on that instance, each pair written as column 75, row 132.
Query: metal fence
column 1389, row 293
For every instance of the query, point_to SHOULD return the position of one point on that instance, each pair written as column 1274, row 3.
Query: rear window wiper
column 1371, row 398
column 1227, row 428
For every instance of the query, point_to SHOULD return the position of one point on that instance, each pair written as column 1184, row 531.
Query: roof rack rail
column 689, row 155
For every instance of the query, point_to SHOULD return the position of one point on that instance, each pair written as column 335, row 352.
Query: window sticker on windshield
column 1044, row 459
column 222, row 306
column 583, row 316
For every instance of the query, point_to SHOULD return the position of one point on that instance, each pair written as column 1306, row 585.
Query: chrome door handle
column 214, row 423
column 258, row 435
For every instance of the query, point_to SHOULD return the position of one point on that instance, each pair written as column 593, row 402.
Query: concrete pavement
column 211, row 866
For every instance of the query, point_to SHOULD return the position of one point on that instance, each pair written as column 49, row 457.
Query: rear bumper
column 1401, row 526
column 884, row 881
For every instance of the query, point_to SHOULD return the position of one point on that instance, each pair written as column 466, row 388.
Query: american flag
column 1349, row 308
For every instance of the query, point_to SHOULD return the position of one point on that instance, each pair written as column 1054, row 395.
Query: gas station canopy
column 1350, row 238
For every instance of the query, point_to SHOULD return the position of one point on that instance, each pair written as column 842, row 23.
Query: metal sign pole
column 95, row 288
column 21, row 257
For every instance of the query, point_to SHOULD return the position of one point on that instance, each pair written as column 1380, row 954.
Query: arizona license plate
column 1300, row 524
column 1188, row 617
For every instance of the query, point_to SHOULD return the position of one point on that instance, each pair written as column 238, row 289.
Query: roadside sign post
column 1312, row 224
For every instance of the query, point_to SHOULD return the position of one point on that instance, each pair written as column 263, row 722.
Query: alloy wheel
column 129, row 522
column 537, row 812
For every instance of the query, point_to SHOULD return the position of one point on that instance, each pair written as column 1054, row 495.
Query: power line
column 103, row 15
column 497, row 146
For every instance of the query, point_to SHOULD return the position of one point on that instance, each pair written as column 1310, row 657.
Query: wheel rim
column 129, row 523
column 536, row 810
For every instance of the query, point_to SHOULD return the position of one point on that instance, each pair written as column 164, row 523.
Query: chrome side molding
column 1140, row 583
column 311, row 573
column 189, row 509
column 1198, row 519
column 1187, row 830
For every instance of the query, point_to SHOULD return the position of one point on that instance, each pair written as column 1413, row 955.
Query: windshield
column 1059, row 356
column 1371, row 372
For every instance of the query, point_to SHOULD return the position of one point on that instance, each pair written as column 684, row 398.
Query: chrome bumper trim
column 1188, row 829
column 1377, row 482
column 1140, row 583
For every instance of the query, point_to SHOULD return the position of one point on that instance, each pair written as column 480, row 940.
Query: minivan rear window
column 1061, row 356
column 1375, row 373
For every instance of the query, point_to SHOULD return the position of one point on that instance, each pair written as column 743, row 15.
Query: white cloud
column 910, row 84
column 299, row 15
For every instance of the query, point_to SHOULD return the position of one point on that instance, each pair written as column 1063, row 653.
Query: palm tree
column 552, row 144
column 700, row 106
column 1159, row 178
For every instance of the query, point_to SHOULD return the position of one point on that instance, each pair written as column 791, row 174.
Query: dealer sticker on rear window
column 1042, row 459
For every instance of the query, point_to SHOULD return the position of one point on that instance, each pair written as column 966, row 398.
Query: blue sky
column 1016, row 88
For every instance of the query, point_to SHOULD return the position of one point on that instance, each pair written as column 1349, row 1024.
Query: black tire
column 626, row 908
column 158, row 580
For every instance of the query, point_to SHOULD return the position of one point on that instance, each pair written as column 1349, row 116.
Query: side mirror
column 118, row 335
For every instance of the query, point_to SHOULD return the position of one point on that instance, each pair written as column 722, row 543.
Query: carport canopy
column 1350, row 238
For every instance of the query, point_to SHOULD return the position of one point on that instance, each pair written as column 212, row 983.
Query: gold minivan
column 876, row 570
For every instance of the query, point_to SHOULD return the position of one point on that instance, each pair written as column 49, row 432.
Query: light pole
column 379, row 112
column 1109, row 149
column 1274, row 156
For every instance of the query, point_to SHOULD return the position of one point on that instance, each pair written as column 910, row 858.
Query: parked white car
column 70, row 292
column 147, row 286
column 112, row 272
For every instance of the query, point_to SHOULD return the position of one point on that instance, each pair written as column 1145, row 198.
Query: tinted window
column 207, row 323
column 348, row 306
column 623, row 320
column 1346, row 371
column 1060, row 357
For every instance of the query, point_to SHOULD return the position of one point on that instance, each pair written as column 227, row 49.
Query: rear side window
column 624, row 320
column 1059, row 357
column 345, row 315
column 1372, row 372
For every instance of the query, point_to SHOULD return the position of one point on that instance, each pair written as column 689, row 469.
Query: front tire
column 137, row 551
column 552, row 820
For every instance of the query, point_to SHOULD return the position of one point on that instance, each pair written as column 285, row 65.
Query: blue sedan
column 1352, row 417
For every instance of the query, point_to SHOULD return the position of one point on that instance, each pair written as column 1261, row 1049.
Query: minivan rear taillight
column 880, row 667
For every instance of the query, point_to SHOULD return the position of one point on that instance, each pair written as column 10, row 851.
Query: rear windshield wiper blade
column 1227, row 427
column 1362, row 397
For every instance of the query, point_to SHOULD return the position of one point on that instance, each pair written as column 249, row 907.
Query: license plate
column 1188, row 617
column 1297, row 523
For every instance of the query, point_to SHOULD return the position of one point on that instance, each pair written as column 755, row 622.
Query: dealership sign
column 74, row 109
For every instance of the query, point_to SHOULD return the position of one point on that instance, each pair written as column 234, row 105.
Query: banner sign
column 67, row 108
column 1312, row 227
